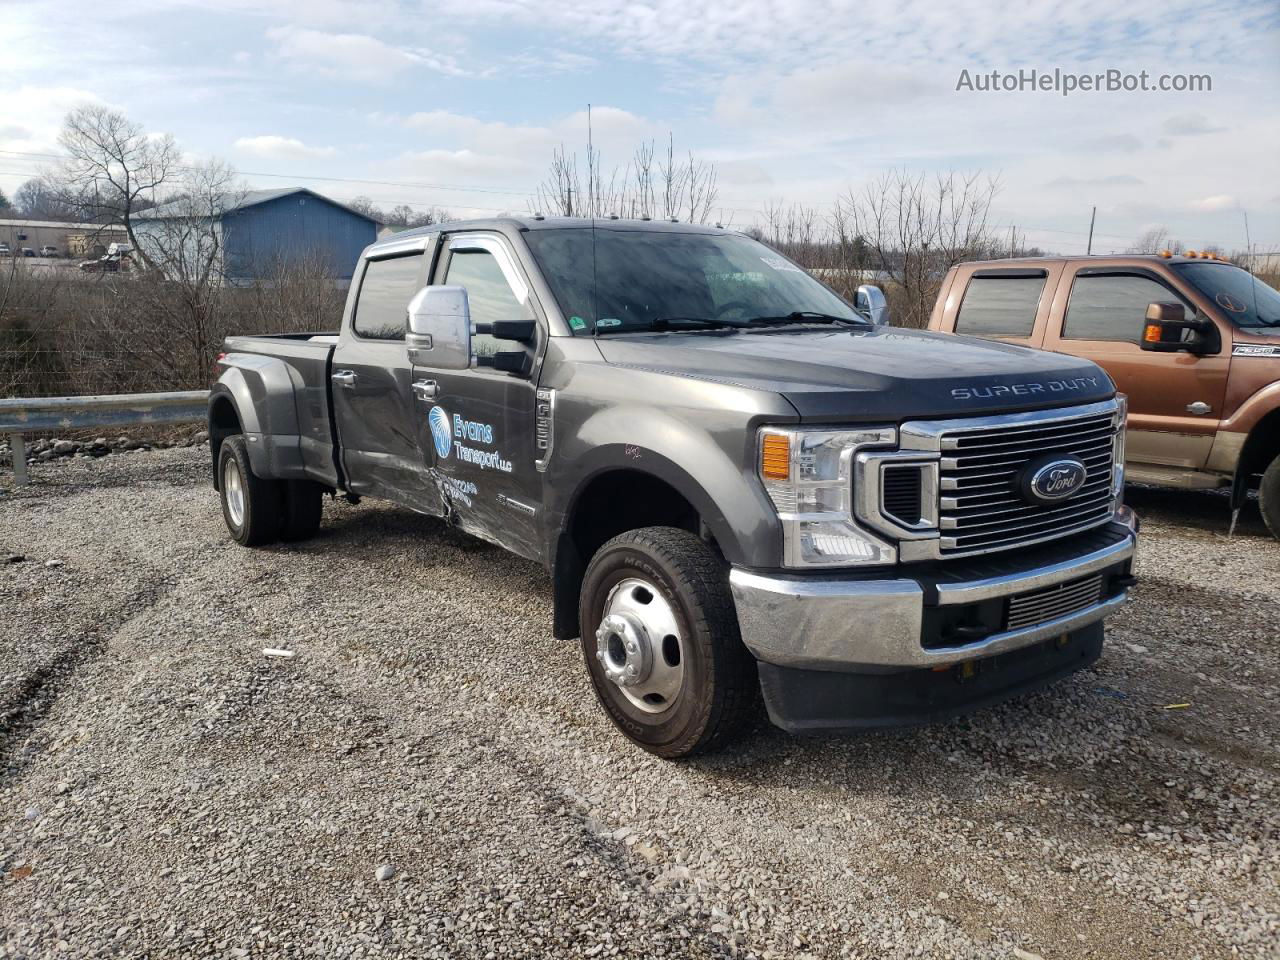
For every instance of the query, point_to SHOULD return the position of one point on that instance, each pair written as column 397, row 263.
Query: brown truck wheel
column 1269, row 497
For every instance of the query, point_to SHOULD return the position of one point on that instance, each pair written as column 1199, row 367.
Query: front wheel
column 661, row 641
column 1269, row 497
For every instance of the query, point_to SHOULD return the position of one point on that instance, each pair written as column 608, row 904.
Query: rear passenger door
column 1102, row 320
column 1003, row 303
column 373, row 400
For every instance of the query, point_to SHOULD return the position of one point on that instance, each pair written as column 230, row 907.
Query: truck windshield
column 660, row 280
column 1243, row 298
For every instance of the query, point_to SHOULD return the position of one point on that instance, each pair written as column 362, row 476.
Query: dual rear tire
column 259, row 511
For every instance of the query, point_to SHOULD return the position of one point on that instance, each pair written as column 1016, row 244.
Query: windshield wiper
column 664, row 324
column 804, row 316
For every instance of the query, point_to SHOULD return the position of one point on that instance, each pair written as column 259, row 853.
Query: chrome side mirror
column 871, row 303
column 438, row 328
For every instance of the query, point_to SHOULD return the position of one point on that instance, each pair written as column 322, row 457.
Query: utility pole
column 1092, row 217
column 568, row 212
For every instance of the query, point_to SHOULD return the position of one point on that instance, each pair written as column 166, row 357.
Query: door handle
column 425, row 389
column 345, row 378
column 1199, row 408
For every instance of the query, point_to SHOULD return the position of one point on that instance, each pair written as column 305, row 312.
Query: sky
column 460, row 103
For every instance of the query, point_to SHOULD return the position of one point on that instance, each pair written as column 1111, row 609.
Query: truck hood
column 882, row 372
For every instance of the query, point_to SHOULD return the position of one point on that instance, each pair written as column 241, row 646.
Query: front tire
column 1269, row 497
column 251, row 506
column 661, row 641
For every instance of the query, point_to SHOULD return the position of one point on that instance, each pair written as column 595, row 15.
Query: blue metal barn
column 273, row 227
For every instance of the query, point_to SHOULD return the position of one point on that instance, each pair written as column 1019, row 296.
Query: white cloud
column 1191, row 125
column 273, row 147
column 354, row 55
column 1215, row 203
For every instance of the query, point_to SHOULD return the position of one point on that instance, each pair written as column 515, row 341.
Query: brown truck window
column 1000, row 306
column 385, row 291
column 1112, row 307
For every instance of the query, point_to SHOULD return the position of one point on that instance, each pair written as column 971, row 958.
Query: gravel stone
column 385, row 872
column 197, row 799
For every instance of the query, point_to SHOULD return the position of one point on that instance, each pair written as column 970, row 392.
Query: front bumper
column 888, row 622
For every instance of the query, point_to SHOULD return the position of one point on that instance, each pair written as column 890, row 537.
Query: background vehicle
column 28, row 252
column 738, row 482
column 5, row 251
column 48, row 250
column 1203, row 389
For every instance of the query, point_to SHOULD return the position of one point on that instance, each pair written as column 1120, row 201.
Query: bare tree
column 183, row 243
column 646, row 186
column 37, row 199
column 917, row 227
column 113, row 168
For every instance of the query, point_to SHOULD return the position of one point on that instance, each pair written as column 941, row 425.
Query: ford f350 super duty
column 739, row 482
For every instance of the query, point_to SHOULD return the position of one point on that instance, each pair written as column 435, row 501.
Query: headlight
column 1117, row 448
column 808, row 475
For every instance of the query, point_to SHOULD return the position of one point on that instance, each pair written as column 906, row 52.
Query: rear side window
column 1113, row 307
column 385, row 292
column 1000, row 306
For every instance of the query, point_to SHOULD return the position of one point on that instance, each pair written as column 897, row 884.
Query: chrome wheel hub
column 233, row 492
column 640, row 646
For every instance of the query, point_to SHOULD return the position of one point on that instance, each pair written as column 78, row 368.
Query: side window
column 1112, row 307
column 385, row 291
column 1000, row 306
column 489, row 296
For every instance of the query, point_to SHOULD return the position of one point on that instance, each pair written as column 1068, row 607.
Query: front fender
column 709, row 467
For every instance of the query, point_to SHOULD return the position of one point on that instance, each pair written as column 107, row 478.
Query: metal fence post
column 18, row 449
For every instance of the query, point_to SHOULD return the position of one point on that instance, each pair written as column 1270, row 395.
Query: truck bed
column 294, row 369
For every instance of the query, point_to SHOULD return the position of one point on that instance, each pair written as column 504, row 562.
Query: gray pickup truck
column 739, row 482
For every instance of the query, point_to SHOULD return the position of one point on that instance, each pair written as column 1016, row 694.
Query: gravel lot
column 170, row 791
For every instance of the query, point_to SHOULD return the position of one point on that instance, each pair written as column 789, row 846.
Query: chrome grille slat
column 979, row 437
column 981, row 509
column 976, row 511
column 1100, row 448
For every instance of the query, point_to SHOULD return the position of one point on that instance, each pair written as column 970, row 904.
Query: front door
column 476, row 426
column 1175, row 399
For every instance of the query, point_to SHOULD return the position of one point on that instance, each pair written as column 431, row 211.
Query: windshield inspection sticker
column 779, row 264
column 608, row 322
column 577, row 323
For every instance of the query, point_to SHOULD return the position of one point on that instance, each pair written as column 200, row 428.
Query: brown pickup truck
column 1193, row 340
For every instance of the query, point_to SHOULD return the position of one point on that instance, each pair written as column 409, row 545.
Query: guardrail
column 19, row 415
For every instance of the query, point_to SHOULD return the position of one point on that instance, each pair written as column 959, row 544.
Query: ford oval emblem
column 1053, row 478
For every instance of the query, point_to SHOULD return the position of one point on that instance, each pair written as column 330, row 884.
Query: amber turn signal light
column 1151, row 333
column 775, row 457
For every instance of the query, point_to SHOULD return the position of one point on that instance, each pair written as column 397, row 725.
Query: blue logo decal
column 441, row 431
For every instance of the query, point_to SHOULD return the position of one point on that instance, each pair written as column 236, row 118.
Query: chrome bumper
column 844, row 624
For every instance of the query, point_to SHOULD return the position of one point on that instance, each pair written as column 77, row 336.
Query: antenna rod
column 1092, row 217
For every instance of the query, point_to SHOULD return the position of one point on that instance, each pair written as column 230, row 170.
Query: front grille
column 1050, row 603
column 981, row 509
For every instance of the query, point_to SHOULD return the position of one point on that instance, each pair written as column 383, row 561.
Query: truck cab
column 1203, row 389
column 741, row 485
